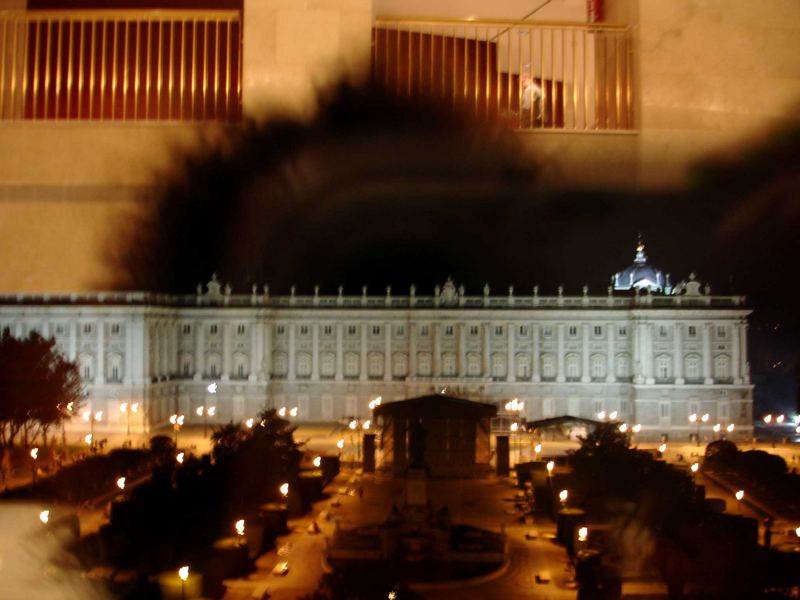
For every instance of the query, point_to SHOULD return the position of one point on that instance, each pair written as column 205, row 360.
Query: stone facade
column 654, row 358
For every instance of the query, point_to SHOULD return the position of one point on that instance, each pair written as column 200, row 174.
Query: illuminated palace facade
column 652, row 352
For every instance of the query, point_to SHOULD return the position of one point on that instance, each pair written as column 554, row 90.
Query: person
column 530, row 102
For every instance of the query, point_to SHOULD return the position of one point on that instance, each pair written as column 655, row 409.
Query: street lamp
column 34, row 455
column 284, row 490
column 179, row 457
column 92, row 417
column 583, row 534
column 317, row 461
column 282, row 411
column 767, row 419
column 183, row 574
column 239, row 526
column 662, row 448
column 730, row 428
column 249, row 423
column 601, row 416
column 177, row 422
column 779, row 419
column 293, row 412
column 537, row 449
column 44, row 516
column 695, row 467
column 612, row 416
column 623, row 428
column 739, row 498
column 121, row 483
column 563, row 495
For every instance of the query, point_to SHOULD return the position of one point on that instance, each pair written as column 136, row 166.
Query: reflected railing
column 564, row 76
column 120, row 65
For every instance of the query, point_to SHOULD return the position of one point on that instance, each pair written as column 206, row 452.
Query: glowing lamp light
column 612, row 415
column 366, row 424
column 797, row 429
column 704, row 418
column 44, row 516
column 212, row 410
column 717, row 428
column 88, row 439
column 352, row 424
column 212, row 388
column 135, row 407
column 637, row 428
column 86, row 414
column 173, row 419
column 34, row 453
column 550, row 466
column 249, row 423
column 284, row 489
column 623, row 428
column 537, row 448
column 121, row 483
column 183, row 573
column 514, row 426
column 239, row 525
column 282, row 411
column 740, row 495
column 583, row 534
column 692, row 418
column 767, row 419
column 662, row 448
column 601, row 415
column 179, row 457
column 123, row 408
column 340, row 444
column 563, row 495
column 181, row 419
column 70, row 406
column 730, row 428
column 317, row 461
column 695, row 467
column 797, row 532
column 200, row 410
column 98, row 416
column 293, row 412
column 779, row 419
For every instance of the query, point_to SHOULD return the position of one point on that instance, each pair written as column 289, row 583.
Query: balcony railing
column 528, row 75
column 120, row 65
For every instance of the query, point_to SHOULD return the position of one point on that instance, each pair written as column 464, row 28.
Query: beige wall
column 710, row 76
column 555, row 10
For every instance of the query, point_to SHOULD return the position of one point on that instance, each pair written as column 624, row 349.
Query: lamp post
column 515, row 407
column 183, row 574
column 177, row 422
column 562, row 496
column 35, row 456
column 693, row 419
column 92, row 417
column 739, row 497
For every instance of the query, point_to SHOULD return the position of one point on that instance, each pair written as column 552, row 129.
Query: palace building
column 652, row 352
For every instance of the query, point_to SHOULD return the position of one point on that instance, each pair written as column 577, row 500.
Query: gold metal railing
column 529, row 75
column 120, row 65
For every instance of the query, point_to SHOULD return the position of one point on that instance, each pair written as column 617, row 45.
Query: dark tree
column 39, row 387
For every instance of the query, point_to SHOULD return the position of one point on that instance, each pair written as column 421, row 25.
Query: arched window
column 239, row 365
column 424, row 363
column 622, row 365
column 351, row 364
column 86, row 362
column 692, row 366
column 722, row 367
column 598, row 366
column 523, row 365
column 448, row 364
column 213, row 365
column 399, row 365
column 572, row 366
column 498, row 366
column 663, row 366
column 280, row 364
column 375, row 365
column 473, row 364
column 114, row 368
column 186, row 361
column 548, row 366
column 327, row 364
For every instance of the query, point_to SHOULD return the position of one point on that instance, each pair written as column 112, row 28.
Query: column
column 611, row 367
column 536, row 353
column 436, row 355
column 677, row 353
column 339, row 352
column 586, row 375
column 363, row 373
column 165, row 357
column 155, row 353
column 637, row 353
column 462, row 350
column 199, row 350
column 560, row 377
column 647, row 353
column 267, row 349
column 736, row 357
column 412, row 350
column 387, row 351
column 128, row 378
column 291, row 358
column 743, row 367
column 73, row 341
column 226, row 351
column 511, row 374
column 315, row 352
column 707, row 375
column 487, row 367
column 100, row 375
column 255, row 351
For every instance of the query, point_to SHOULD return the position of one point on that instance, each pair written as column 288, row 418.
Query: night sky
column 379, row 191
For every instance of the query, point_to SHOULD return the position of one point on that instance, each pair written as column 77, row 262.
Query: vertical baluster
column 508, row 70
column 205, row 67
column 46, row 65
column 148, row 67
column 216, row 70
column 487, row 87
column 545, row 95
column 81, row 51
column 114, row 61
column 103, row 69
column 182, row 62
column 239, row 68
column 35, row 91
column 228, row 31
column 70, row 59
column 498, row 79
column 628, row 78
column 563, row 79
column 408, row 63
column 552, row 78
column 586, row 38
column 418, row 62
column 136, row 76
column 4, row 49
column 476, row 85
column 574, row 79
column 171, row 87
column 13, row 85
column 466, row 68
column 125, row 64
column 160, row 69
column 432, row 42
column 194, row 65
column 59, row 43
column 606, row 87
column 618, row 77
column 91, row 70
